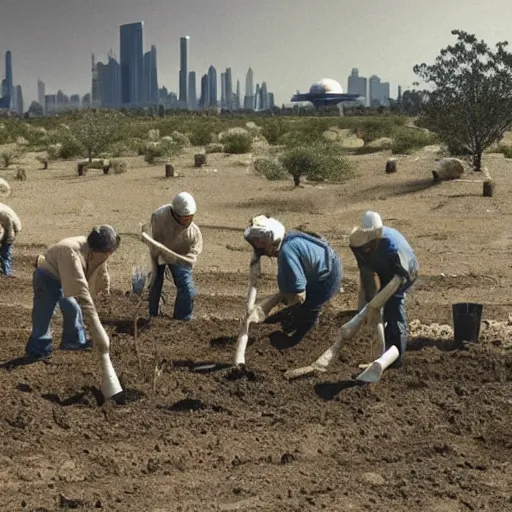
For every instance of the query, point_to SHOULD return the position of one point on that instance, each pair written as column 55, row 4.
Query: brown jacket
column 10, row 224
column 81, row 277
column 184, row 240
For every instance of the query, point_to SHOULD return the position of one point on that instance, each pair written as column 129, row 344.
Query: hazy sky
column 288, row 43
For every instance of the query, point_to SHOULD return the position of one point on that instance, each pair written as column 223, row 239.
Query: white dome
column 326, row 86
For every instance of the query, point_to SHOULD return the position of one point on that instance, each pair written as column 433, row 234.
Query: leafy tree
column 470, row 106
column 95, row 132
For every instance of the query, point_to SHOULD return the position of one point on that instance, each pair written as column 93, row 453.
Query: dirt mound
column 433, row 435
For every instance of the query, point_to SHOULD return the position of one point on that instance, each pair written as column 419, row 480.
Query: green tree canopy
column 470, row 104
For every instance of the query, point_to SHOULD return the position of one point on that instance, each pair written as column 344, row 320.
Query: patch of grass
column 407, row 140
column 505, row 150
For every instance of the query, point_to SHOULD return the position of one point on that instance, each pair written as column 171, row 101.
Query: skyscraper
column 41, row 92
column 357, row 84
column 229, row 89
column 249, row 90
column 212, row 87
column 94, row 85
column 6, row 92
column 264, row 96
column 223, row 90
column 237, row 96
column 18, row 106
column 184, row 49
column 192, row 90
column 257, row 98
column 150, row 77
column 379, row 92
column 204, row 101
column 132, row 66
column 109, row 83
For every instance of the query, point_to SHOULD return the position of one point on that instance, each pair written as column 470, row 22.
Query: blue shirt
column 393, row 256
column 307, row 263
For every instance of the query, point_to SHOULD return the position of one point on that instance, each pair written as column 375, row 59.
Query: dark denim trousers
column 5, row 258
column 186, row 292
column 47, row 294
column 395, row 320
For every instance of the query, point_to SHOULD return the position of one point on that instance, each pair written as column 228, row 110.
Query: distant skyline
column 290, row 43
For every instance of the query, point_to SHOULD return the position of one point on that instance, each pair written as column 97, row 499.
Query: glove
column 257, row 315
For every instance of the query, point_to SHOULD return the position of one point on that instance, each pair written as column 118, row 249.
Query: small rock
column 373, row 478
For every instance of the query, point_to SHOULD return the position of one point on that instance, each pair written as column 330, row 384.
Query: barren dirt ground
column 433, row 436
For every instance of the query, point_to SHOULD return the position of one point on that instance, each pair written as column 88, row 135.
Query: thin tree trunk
column 477, row 160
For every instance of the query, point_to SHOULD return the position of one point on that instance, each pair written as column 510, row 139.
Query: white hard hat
column 371, row 220
column 370, row 229
column 184, row 204
column 264, row 227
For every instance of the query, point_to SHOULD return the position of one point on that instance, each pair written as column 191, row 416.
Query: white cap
column 264, row 227
column 370, row 229
column 184, row 204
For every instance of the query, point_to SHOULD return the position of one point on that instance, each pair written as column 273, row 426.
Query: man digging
column 384, row 252
column 10, row 226
column 70, row 273
column 172, row 226
column 309, row 273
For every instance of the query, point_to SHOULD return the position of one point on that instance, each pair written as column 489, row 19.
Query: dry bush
column 20, row 175
column 119, row 166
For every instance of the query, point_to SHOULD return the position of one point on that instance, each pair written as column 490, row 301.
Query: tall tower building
column 184, row 49
column 132, row 64
column 249, row 90
column 229, row 88
column 109, row 82
column 257, row 98
column 237, row 96
column 192, row 91
column 204, row 101
column 223, row 90
column 357, row 85
column 9, row 87
column 150, row 77
column 212, row 87
column 41, row 93
column 18, row 106
column 264, row 96
column 94, row 86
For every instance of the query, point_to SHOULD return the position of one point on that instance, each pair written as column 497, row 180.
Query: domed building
column 326, row 86
column 325, row 92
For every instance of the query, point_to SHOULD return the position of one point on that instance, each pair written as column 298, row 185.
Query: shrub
column 20, row 175
column 53, row 151
column 201, row 135
column 406, row 140
column 214, row 147
column 237, row 143
column 273, row 131
column 9, row 157
column 69, row 146
column 43, row 159
column 118, row 149
column 156, row 150
column 270, row 169
column 317, row 162
column 506, row 150
column 180, row 139
column 118, row 166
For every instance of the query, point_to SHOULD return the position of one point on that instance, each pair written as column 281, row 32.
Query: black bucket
column 466, row 322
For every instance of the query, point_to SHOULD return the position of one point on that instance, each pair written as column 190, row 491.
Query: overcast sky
column 288, row 43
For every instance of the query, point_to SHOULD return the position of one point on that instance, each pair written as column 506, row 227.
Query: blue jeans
column 305, row 316
column 47, row 293
column 186, row 292
column 6, row 259
column 395, row 319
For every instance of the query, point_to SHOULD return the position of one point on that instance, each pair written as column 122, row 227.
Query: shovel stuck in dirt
column 374, row 371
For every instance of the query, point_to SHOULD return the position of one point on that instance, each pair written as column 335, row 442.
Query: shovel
column 348, row 331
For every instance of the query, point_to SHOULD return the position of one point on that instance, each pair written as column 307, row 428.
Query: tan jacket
column 10, row 224
column 70, row 262
column 184, row 240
